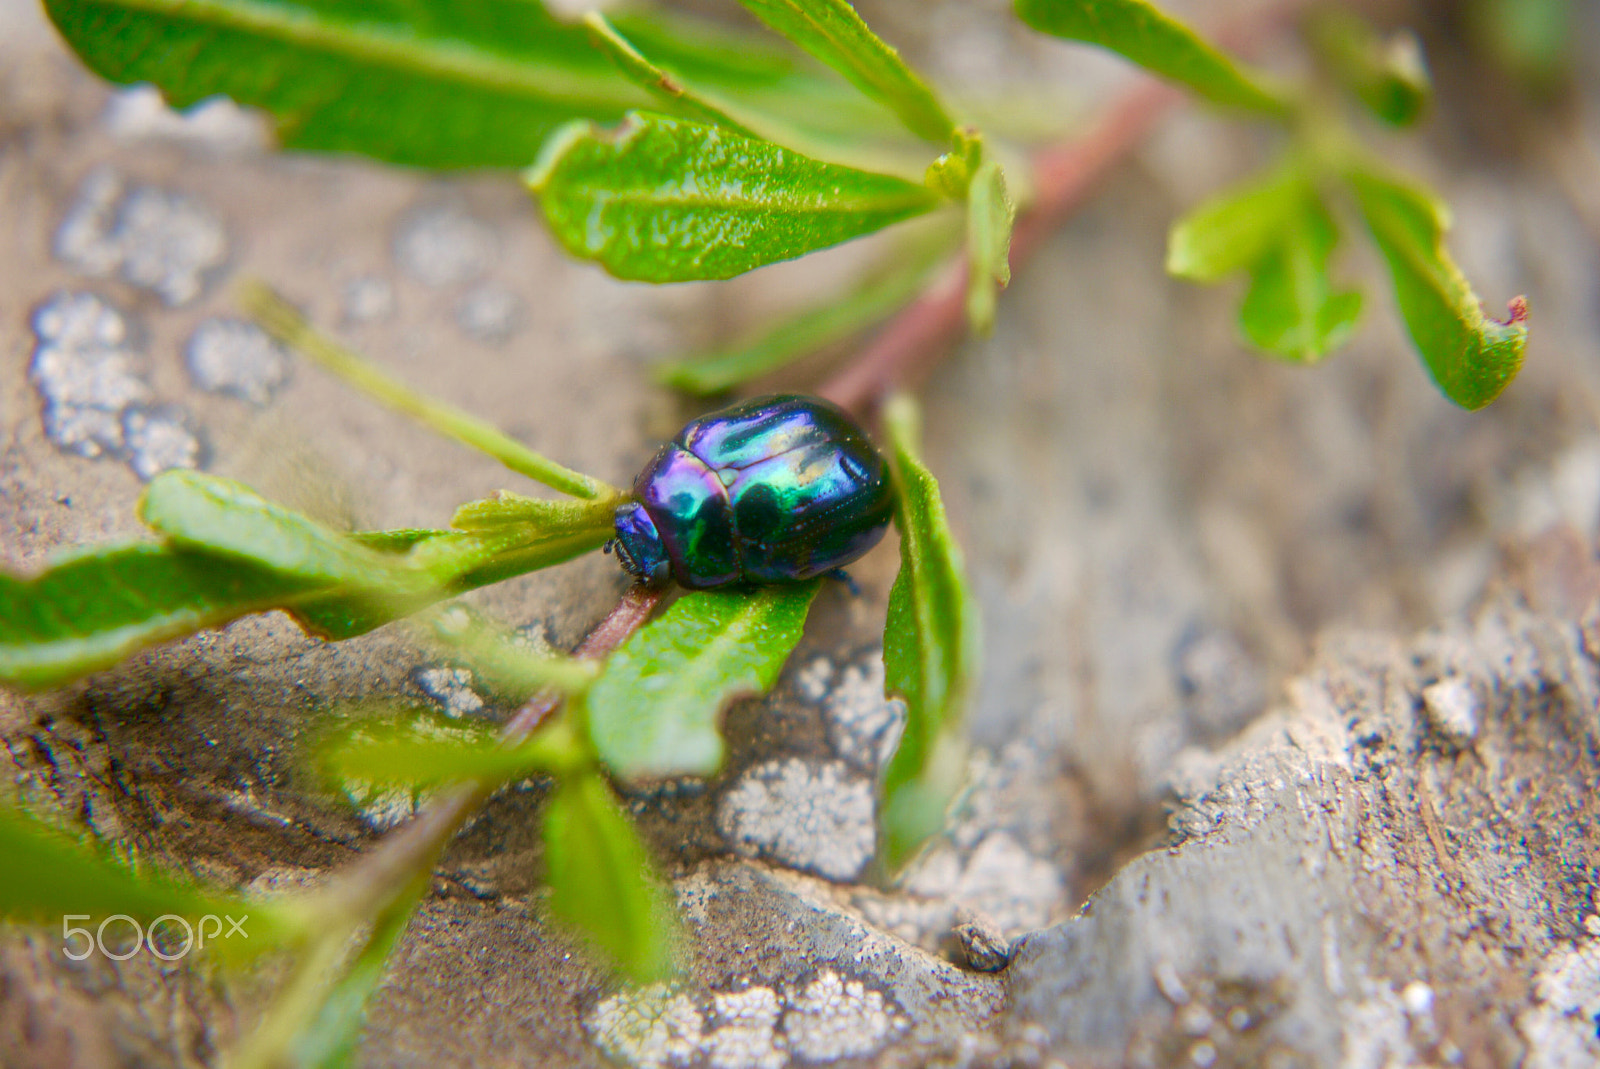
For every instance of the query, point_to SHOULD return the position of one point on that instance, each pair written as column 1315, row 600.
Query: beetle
column 772, row 490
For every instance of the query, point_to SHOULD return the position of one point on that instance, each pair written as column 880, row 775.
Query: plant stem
column 285, row 323
column 1064, row 175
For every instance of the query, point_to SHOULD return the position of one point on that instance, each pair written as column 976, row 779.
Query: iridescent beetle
column 772, row 490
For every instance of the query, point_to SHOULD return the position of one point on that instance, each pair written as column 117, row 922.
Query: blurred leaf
column 48, row 873
column 1276, row 227
column 1471, row 357
column 91, row 608
column 1531, row 39
column 951, row 174
column 1292, row 309
column 423, row 748
column 930, row 645
column 872, row 300
column 654, row 709
column 660, row 200
column 832, row 31
column 601, row 880
column 989, row 216
column 430, row 83
column 507, row 662
column 1388, row 74
column 680, row 99
column 1235, row 229
column 1138, row 31
column 285, row 323
column 331, row 1036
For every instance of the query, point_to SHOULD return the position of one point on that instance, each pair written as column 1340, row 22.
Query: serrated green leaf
column 601, row 881
column 431, row 83
column 1138, row 31
column 930, row 645
column 989, row 217
column 92, row 608
column 1471, row 357
column 661, row 200
column 654, row 709
column 1291, row 309
column 832, row 31
column 1235, row 229
column 873, row 300
column 1388, row 74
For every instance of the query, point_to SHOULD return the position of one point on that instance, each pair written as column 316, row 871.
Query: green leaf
column 228, row 519
column 1470, row 356
column 654, row 710
column 1291, row 308
column 660, row 200
column 832, row 31
column 431, row 83
column 48, row 873
column 601, row 881
column 424, row 749
column 873, row 300
column 681, row 99
column 1388, row 74
column 1235, row 229
column 989, row 216
column 92, row 608
column 284, row 322
column 930, row 645
column 1277, row 228
column 1138, row 31
column 330, row 1038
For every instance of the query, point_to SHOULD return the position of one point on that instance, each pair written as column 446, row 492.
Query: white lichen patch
column 158, row 440
column 490, row 314
column 238, row 358
column 368, row 299
column 833, row 1018
column 651, row 1028
column 1560, row 1028
column 156, row 239
column 86, row 372
column 217, row 125
column 863, row 726
column 441, row 245
column 812, row 680
column 813, row 817
column 746, row 1034
column 451, row 687
column 999, row 878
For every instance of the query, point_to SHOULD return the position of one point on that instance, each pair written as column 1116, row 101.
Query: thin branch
column 418, row 844
column 1064, row 176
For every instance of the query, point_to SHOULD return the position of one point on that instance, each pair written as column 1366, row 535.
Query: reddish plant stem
column 386, row 871
column 1064, row 176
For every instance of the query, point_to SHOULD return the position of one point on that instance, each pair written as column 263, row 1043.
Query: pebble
column 1450, row 708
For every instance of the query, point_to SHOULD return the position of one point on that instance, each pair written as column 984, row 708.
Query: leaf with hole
column 663, row 200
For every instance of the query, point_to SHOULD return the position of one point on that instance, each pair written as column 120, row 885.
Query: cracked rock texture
column 1287, row 741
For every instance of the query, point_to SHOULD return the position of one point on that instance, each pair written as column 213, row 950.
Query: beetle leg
column 844, row 577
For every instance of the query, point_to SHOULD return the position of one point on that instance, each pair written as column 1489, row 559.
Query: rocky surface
column 1287, row 738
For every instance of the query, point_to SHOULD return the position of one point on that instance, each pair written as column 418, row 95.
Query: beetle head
column 639, row 547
